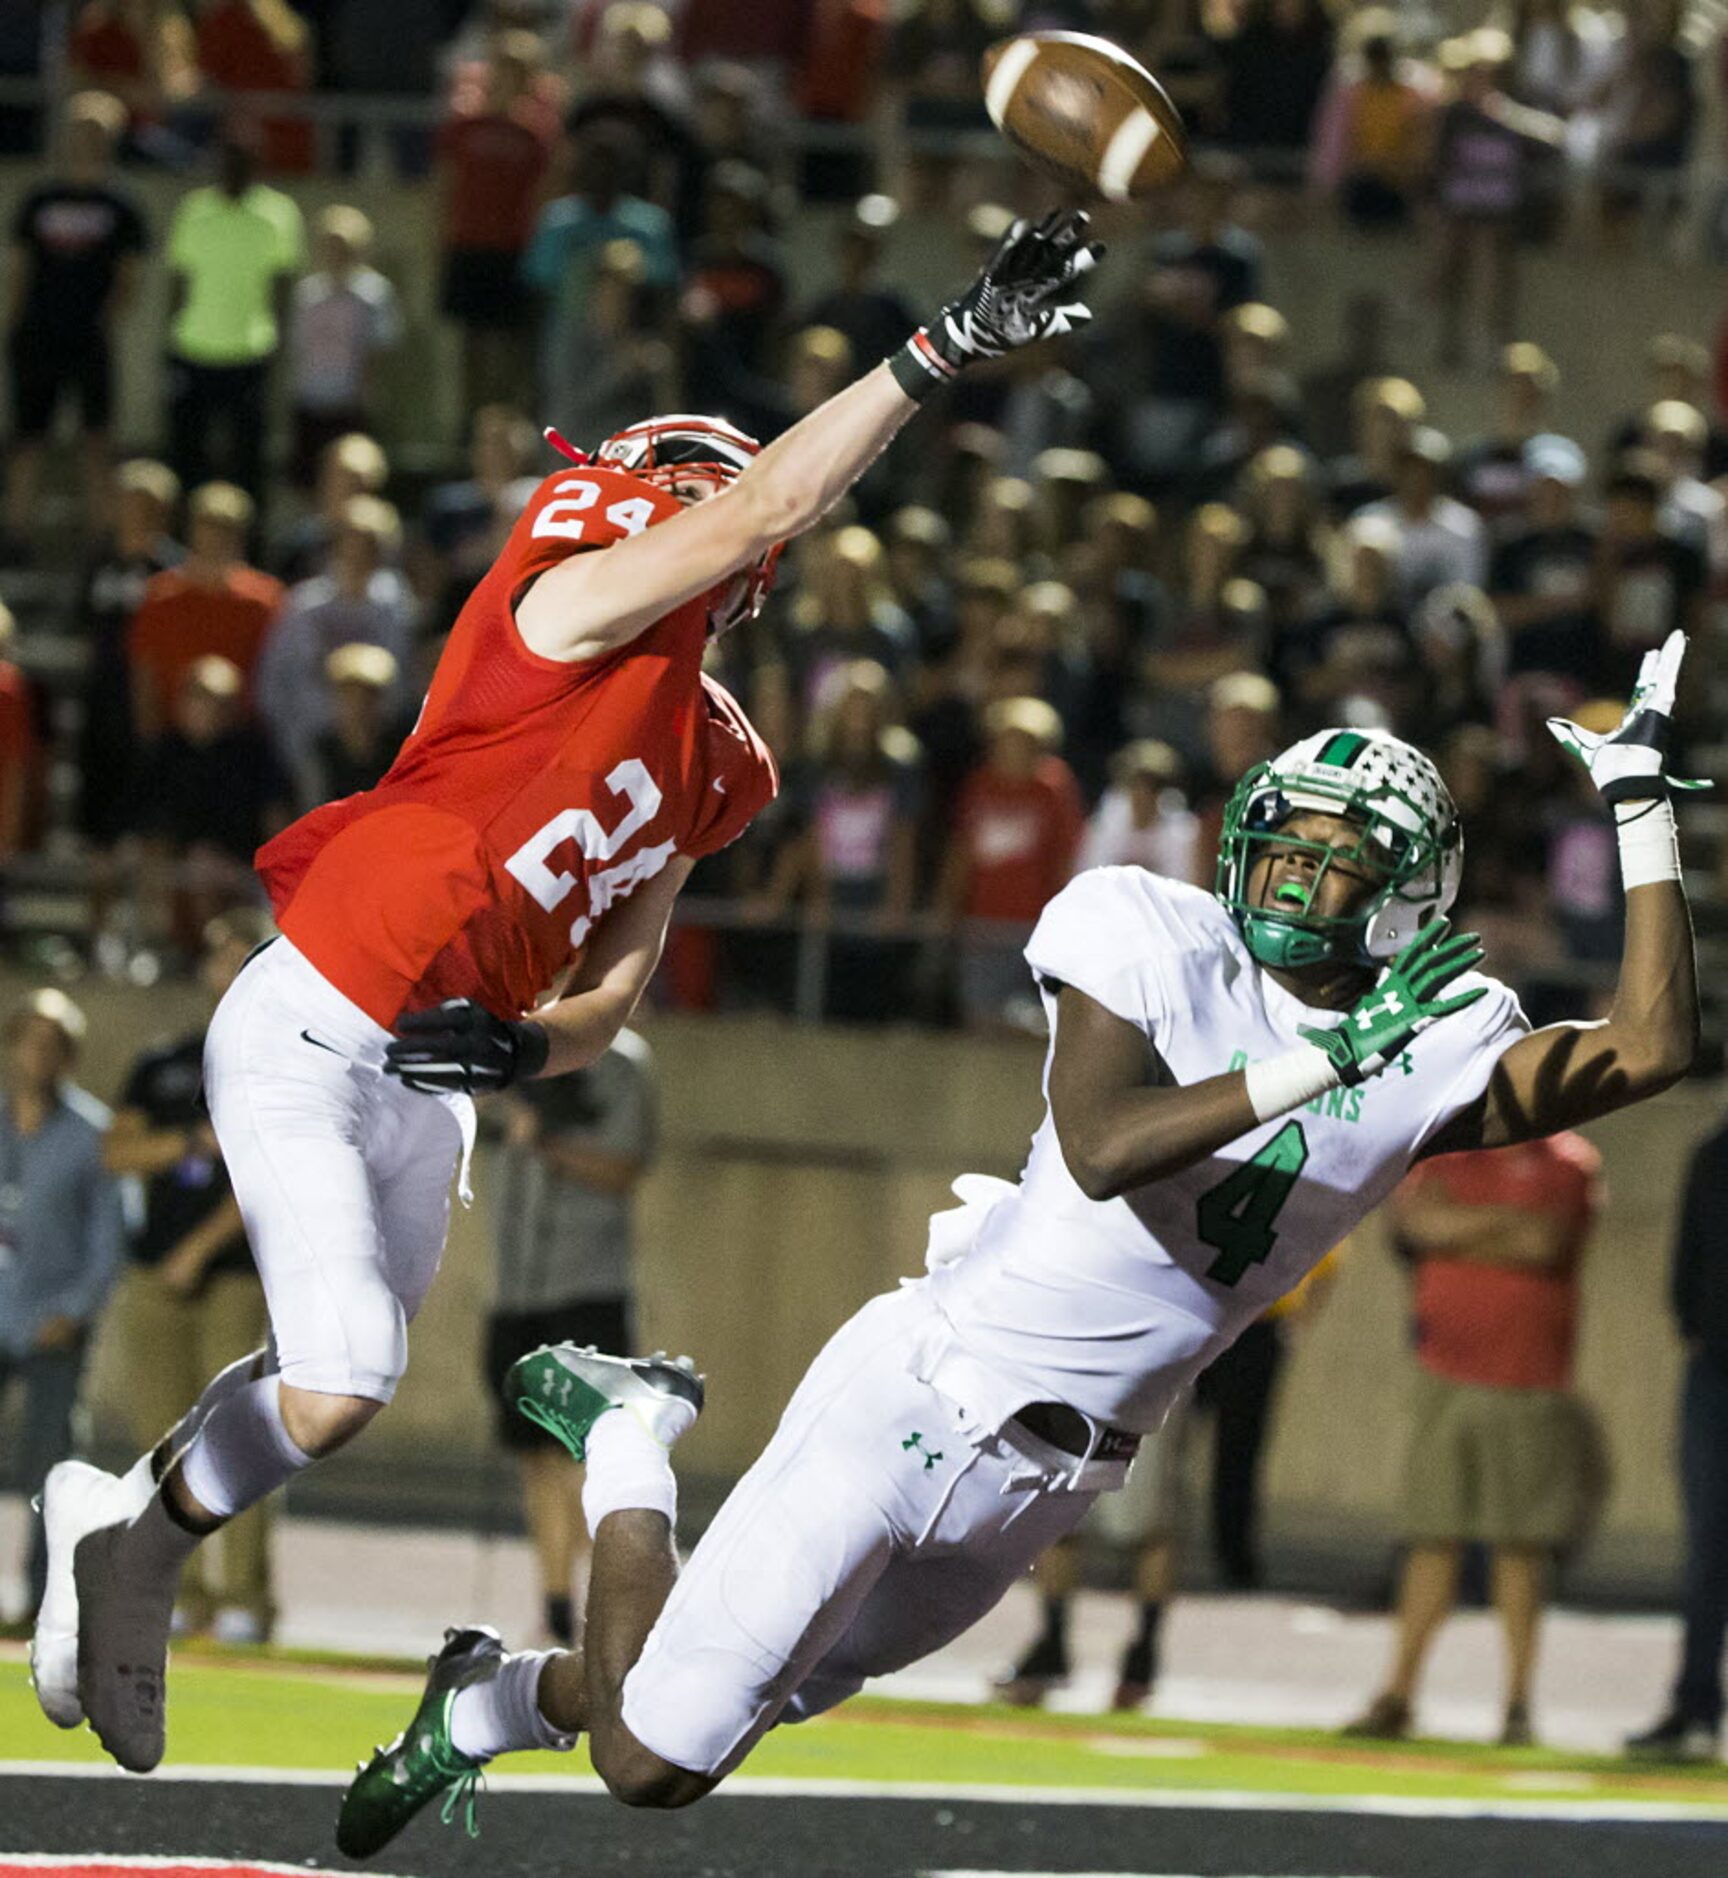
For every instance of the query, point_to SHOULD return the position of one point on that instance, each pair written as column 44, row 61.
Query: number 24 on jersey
column 570, row 517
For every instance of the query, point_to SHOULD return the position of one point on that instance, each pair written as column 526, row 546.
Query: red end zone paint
column 100, row 1865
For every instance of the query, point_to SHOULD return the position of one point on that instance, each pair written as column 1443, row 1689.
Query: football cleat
column 565, row 1390
column 123, row 1626
column 76, row 1499
column 422, row 1762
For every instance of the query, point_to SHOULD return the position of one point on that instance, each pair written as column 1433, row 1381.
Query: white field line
column 126, row 1861
column 1187, row 1799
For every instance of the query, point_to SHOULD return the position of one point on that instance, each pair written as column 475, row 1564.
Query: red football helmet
column 684, row 449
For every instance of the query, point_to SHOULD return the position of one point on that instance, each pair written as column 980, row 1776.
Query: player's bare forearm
column 1119, row 1124
column 614, row 972
column 801, row 475
column 1569, row 1074
column 593, row 604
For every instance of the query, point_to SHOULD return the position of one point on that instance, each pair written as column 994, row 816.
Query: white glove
column 1626, row 765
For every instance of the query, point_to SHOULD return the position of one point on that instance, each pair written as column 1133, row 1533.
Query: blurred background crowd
column 1059, row 619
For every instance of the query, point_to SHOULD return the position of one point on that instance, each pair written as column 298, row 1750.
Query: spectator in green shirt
column 234, row 250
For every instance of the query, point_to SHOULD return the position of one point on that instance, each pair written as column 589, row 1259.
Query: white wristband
column 1649, row 843
column 1283, row 1083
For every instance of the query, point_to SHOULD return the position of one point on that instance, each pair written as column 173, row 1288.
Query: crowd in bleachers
column 1056, row 621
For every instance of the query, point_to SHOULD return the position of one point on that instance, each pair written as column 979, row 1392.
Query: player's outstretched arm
column 592, row 604
column 1122, row 1122
column 1567, row 1074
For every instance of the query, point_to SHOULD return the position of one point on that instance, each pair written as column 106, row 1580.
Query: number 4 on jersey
column 1238, row 1215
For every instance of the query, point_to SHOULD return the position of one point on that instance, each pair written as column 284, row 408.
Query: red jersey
column 532, row 795
column 1502, row 1326
column 497, row 163
column 238, row 51
column 180, row 620
column 1020, row 839
column 104, row 46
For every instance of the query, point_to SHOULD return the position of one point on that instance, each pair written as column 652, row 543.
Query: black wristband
column 919, row 368
column 533, row 1047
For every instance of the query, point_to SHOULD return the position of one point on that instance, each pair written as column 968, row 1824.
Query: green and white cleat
column 566, row 1389
column 422, row 1762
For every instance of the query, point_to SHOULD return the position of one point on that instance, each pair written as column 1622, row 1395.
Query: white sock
column 627, row 1469
column 138, row 1484
column 242, row 1452
column 501, row 1714
column 243, row 1371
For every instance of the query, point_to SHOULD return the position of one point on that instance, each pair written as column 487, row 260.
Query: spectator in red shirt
column 1017, row 829
column 20, row 749
column 491, row 173
column 261, row 45
column 1502, row 1452
column 140, row 51
column 212, row 605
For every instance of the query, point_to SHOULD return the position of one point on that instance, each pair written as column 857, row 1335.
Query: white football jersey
column 1115, row 1305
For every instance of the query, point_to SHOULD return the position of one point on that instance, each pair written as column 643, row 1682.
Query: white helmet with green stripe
column 1410, row 838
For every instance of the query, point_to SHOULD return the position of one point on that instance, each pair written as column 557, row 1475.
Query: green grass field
column 245, row 1710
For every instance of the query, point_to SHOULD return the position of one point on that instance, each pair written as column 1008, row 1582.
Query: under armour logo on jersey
column 1389, row 1006
column 916, row 1440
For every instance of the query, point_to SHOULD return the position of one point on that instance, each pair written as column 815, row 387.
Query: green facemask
column 1277, row 941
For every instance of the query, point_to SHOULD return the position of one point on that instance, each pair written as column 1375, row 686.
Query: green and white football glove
column 1404, row 1002
column 1626, row 764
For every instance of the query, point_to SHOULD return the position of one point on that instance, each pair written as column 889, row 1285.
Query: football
column 1085, row 112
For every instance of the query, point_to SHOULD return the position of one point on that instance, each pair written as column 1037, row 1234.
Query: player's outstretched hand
column 1024, row 293
column 1626, row 765
column 1404, row 1002
column 459, row 1047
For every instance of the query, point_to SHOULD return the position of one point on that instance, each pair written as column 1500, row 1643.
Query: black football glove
column 459, row 1047
column 1017, row 300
